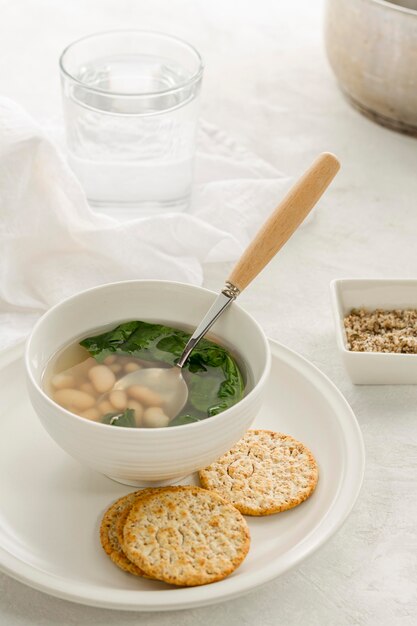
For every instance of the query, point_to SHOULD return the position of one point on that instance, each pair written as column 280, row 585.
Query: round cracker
column 109, row 531
column 264, row 473
column 186, row 536
column 123, row 515
column 120, row 524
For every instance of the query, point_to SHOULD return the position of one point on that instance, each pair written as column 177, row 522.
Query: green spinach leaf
column 214, row 379
column 180, row 420
column 125, row 419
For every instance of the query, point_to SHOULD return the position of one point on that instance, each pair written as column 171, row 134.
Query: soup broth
column 82, row 376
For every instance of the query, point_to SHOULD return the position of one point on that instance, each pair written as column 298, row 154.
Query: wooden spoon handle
column 286, row 218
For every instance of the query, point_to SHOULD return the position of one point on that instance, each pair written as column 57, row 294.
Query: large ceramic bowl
column 145, row 456
column 371, row 46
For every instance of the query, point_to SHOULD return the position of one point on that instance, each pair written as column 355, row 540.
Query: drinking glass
column 130, row 105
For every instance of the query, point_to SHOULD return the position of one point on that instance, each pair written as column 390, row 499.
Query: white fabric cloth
column 53, row 245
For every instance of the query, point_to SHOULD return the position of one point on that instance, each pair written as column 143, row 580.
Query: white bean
column 118, row 398
column 138, row 409
column 63, row 381
column 116, row 368
column 145, row 395
column 91, row 414
column 109, row 359
column 132, row 367
column 82, row 368
column 74, row 398
column 154, row 417
column 88, row 388
column 105, row 407
column 102, row 378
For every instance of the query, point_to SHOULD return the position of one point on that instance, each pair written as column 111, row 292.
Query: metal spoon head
column 167, row 382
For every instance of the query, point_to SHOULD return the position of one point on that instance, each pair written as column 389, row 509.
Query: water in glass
column 131, row 124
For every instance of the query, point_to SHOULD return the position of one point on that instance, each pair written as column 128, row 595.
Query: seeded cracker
column 186, row 536
column 264, row 473
column 108, row 532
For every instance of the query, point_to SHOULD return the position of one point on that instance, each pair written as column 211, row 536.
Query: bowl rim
column 149, row 431
column 394, row 7
column 336, row 286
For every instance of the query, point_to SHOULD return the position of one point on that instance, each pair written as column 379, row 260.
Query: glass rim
column 142, row 94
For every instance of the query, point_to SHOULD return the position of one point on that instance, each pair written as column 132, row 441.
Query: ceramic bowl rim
column 391, row 6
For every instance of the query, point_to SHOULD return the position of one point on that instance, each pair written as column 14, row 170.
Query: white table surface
column 269, row 85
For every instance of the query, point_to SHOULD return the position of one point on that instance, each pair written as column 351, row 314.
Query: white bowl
column 143, row 456
column 374, row 368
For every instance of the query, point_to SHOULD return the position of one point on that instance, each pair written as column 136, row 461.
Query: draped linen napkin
column 53, row 245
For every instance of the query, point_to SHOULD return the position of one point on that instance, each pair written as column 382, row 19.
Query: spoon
column 168, row 382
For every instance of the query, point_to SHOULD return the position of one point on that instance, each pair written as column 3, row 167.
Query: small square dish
column 374, row 368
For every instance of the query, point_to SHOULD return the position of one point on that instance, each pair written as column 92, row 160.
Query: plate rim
column 132, row 600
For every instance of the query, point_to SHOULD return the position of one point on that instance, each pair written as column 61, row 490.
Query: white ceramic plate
column 51, row 506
